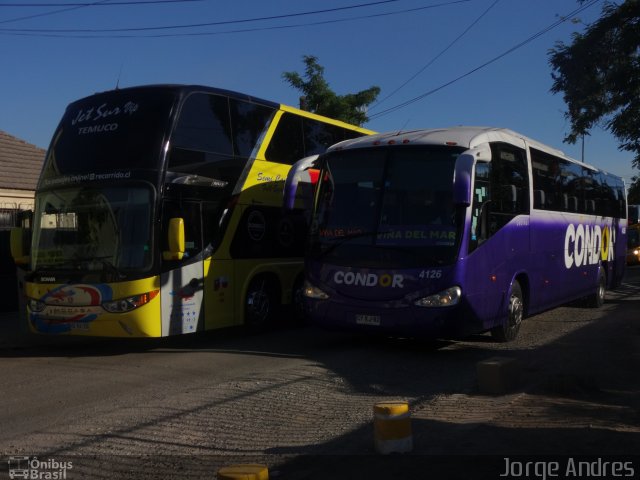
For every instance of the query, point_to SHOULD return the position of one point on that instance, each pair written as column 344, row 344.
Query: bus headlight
column 311, row 291
column 129, row 303
column 446, row 298
column 636, row 252
column 36, row 305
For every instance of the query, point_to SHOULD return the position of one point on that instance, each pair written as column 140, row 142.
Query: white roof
column 467, row 137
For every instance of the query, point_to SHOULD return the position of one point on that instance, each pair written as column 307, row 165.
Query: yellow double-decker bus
column 159, row 212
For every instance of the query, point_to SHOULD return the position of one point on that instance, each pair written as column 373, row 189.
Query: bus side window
column 249, row 122
column 510, row 185
column 538, row 199
column 319, row 136
column 287, row 144
column 203, row 126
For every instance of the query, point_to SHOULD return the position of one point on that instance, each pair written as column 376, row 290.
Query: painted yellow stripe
column 328, row 120
column 244, row 472
column 391, row 408
column 266, row 141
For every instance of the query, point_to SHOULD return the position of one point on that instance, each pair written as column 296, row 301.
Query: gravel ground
column 300, row 400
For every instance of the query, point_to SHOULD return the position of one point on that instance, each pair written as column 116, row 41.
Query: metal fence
column 9, row 218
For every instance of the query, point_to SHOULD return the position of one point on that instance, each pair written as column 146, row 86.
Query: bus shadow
column 287, row 338
column 65, row 346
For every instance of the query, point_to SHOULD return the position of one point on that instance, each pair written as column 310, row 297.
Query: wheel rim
column 516, row 309
column 601, row 291
column 258, row 305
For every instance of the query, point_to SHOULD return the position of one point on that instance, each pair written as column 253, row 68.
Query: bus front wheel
column 510, row 327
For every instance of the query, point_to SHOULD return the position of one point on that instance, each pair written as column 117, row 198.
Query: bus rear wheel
column 260, row 304
column 596, row 300
column 510, row 327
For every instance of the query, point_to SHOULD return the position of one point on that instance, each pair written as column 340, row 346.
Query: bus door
column 499, row 244
column 219, row 279
column 182, row 277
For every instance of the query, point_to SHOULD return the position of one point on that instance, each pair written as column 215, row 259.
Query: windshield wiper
column 110, row 268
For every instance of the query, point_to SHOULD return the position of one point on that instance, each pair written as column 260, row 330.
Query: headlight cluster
column 129, row 303
column 36, row 305
column 446, row 298
column 311, row 291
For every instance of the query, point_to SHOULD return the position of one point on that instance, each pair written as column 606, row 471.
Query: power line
column 76, row 6
column 43, row 33
column 94, row 4
column 489, row 62
column 430, row 62
column 206, row 24
column 29, row 17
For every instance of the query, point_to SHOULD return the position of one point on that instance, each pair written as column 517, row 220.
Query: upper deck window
column 215, row 135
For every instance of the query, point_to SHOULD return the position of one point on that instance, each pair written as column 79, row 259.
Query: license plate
column 373, row 320
column 79, row 326
column 56, row 311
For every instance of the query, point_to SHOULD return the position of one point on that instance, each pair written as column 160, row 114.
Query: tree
column 633, row 195
column 599, row 76
column 319, row 98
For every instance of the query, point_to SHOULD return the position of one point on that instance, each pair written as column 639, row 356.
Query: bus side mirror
column 462, row 180
column 20, row 245
column 303, row 171
column 175, row 240
column 464, row 171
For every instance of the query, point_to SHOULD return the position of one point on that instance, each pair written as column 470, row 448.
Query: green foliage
column 320, row 99
column 599, row 76
column 633, row 195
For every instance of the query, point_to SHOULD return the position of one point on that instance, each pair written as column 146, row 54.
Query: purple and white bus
column 454, row 231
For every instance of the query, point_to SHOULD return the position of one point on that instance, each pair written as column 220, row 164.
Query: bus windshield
column 118, row 130
column 93, row 229
column 387, row 206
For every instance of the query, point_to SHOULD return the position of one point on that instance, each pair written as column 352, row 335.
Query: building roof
column 20, row 163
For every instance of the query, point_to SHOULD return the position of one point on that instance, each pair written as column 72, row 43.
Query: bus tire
column 260, row 304
column 510, row 327
column 596, row 299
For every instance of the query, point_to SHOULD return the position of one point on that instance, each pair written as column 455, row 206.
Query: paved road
column 300, row 399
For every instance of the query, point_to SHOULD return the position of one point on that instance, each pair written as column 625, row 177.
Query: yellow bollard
column 249, row 471
column 392, row 427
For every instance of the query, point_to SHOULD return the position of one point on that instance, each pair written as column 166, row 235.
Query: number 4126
column 430, row 274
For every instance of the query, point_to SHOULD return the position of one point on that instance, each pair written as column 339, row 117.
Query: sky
column 454, row 62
